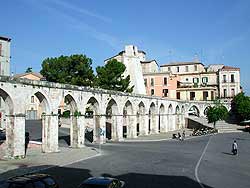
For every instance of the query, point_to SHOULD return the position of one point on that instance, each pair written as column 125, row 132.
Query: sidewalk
column 160, row 136
column 36, row 160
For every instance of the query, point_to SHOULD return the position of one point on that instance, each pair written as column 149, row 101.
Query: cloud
column 74, row 22
column 81, row 10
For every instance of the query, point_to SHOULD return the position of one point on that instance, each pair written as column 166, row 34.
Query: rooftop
column 180, row 63
column 5, row 38
column 230, row 68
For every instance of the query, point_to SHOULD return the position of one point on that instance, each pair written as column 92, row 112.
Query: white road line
column 198, row 164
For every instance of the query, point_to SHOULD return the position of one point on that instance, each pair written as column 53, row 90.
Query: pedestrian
column 179, row 136
column 27, row 140
column 183, row 135
column 234, row 148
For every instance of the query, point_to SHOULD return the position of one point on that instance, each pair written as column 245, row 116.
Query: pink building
column 161, row 84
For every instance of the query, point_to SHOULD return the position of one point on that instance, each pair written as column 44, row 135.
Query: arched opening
column 36, row 108
column 6, row 113
column 141, row 119
column 111, row 120
column 161, row 118
column 177, row 114
column 171, row 119
column 128, row 121
column 152, row 119
column 68, row 128
column 194, row 111
column 206, row 109
column 92, row 120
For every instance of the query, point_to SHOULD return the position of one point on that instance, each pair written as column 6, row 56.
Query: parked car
column 102, row 182
column 30, row 181
column 2, row 135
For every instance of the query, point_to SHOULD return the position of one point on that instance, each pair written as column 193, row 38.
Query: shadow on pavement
column 72, row 177
column 227, row 153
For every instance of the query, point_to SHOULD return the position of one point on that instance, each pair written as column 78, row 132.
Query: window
column 152, row 91
column 186, row 68
column 169, row 69
column 205, row 95
column 195, row 80
column 195, row 68
column 145, row 82
column 177, row 69
column 205, row 80
column 165, row 81
column 232, row 78
column 165, row 92
column 178, row 95
column 225, row 93
column 232, row 92
column 32, row 99
column 192, row 96
column 152, row 81
column 224, row 78
column 187, row 79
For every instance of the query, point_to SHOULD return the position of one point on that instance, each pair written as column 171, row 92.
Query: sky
column 218, row 31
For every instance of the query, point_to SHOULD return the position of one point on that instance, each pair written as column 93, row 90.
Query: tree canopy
column 216, row 113
column 111, row 77
column 28, row 70
column 241, row 107
column 74, row 69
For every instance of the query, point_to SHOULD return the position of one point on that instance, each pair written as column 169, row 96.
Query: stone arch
column 49, row 122
column 92, row 120
column 162, row 122
column 193, row 110
column 8, row 123
column 171, row 117
column 177, row 110
column 129, row 128
column 111, row 120
column 170, row 109
column 205, row 110
column 177, row 117
column 152, row 128
column 141, row 113
column 71, row 106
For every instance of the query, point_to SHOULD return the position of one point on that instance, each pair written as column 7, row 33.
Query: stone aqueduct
column 135, row 114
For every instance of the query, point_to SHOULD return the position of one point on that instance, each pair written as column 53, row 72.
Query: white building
column 132, row 58
column 4, row 56
column 229, row 82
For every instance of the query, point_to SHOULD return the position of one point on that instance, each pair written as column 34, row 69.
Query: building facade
column 131, row 58
column 4, row 56
column 179, row 80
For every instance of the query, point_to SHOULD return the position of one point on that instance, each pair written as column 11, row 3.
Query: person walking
column 234, row 148
column 27, row 140
column 183, row 135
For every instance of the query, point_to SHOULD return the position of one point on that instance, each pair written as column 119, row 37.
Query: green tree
column 111, row 77
column 28, row 70
column 74, row 69
column 216, row 113
column 241, row 107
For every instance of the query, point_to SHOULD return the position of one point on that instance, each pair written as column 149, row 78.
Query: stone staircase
column 221, row 126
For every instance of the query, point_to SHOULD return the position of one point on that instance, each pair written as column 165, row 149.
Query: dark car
column 2, row 135
column 102, row 182
column 30, row 181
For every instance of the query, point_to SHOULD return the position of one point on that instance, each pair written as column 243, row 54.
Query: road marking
column 198, row 164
